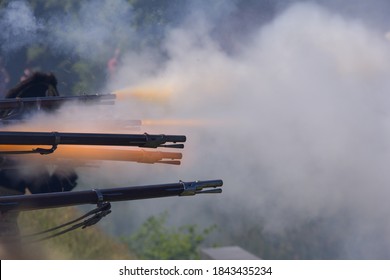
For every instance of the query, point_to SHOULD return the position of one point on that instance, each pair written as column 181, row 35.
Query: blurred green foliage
column 154, row 240
column 90, row 243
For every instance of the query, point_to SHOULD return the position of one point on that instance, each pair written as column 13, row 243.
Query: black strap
column 42, row 151
column 102, row 210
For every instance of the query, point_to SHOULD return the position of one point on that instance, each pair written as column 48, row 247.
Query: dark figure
column 14, row 180
column 37, row 85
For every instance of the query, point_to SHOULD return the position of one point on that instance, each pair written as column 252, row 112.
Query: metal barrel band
column 57, row 141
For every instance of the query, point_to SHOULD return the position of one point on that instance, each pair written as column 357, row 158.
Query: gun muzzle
column 196, row 187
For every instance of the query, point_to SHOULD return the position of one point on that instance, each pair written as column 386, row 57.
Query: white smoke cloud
column 19, row 26
column 92, row 32
column 305, row 133
column 96, row 29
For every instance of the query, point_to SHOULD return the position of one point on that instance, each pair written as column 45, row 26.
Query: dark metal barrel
column 64, row 138
column 12, row 103
column 63, row 199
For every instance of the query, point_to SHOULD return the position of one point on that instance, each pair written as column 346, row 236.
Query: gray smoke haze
column 19, row 26
column 95, row 30
column 98, row 27
column 296, row 113
column 305, row 124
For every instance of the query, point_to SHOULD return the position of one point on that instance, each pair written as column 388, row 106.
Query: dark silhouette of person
column 12, row 179
column 37, row 85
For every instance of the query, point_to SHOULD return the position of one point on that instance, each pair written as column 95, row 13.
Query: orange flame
column 160, row 95
column 93, row 153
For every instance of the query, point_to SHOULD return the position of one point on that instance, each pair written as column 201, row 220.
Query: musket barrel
column 64, row 138
column 63, row 199
column 11, row 103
